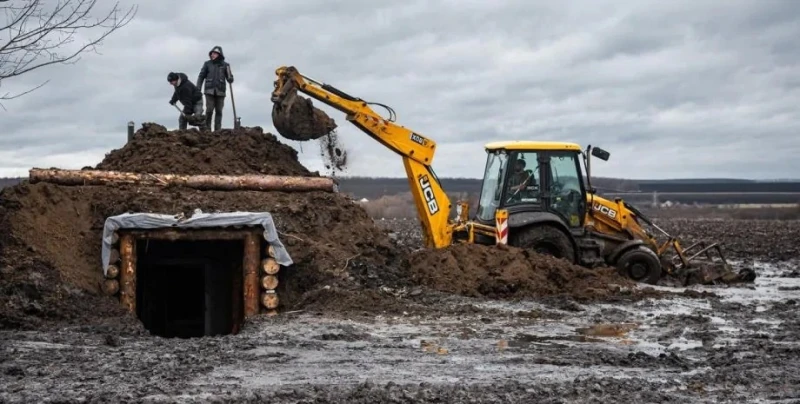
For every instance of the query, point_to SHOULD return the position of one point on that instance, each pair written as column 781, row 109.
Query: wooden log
column 270, row 251
column 269, row 282
column 113, row 256
column 201, row 182
column 112, row 272
column 127, row 276
column 270, row 266
column 110, row 287
column 270, row 300
column 114, row 238
column 250, row 274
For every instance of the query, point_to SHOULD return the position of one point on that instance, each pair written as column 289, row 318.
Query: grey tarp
column 198, row 220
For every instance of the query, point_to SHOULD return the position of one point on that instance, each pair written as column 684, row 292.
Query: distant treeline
column 7, row 182
column 714, row 187
column 374, row 188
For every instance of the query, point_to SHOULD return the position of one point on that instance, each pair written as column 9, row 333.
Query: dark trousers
column 214, row 104
column 197, row 110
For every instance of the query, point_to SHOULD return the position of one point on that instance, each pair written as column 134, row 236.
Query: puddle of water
column 774, row 323
column 718, row 320
column 683, row 344
column 46, row 345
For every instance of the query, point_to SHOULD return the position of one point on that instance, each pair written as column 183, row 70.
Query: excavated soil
column 507, row 272
column 154, row 149
column 51, row 235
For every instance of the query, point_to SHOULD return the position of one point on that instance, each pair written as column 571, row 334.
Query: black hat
column 172, row 76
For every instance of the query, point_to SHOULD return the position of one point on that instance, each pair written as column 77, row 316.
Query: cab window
column 565, row 187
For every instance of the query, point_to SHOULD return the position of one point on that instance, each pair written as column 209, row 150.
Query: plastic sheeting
column 198, row 220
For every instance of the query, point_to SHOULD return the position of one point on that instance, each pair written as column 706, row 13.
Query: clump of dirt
column 154, row 149
column 507, row 272
column 50, row 235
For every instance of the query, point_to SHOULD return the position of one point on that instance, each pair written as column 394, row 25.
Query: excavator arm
column 296, row 118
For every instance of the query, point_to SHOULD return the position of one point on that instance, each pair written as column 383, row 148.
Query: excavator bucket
column 296, row 118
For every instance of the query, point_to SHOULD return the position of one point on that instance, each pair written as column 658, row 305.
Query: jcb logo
column 427, row 192
column 418, row 139
column 605, row 210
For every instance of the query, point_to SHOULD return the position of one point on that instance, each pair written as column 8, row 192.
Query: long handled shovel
column 236, row 122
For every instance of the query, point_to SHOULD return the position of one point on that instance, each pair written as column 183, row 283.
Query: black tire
column 544, row 239
column 640, row 264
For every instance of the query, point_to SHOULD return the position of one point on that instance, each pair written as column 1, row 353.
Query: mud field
column 371, row 318
column 714, row 344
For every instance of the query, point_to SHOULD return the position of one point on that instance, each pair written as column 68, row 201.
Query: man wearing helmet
column 190, row 97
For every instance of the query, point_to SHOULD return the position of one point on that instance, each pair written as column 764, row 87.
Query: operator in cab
column 520, row 179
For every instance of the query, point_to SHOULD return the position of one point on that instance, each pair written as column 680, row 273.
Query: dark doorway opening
column 188, row 288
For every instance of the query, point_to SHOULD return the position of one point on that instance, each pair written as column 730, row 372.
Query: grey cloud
column 672, row 89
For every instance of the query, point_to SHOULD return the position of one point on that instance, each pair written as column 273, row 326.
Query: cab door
column 564, row 191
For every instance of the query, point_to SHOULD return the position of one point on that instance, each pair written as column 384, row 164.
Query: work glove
column 171, row 102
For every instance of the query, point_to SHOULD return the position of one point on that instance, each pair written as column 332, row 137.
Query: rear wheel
column 640, row 264
column 545, row 239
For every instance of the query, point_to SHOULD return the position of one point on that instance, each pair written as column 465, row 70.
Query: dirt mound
column 50, row 235
column 508, row 272
column 154, row 149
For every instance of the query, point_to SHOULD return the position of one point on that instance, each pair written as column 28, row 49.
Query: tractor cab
column 528, row 177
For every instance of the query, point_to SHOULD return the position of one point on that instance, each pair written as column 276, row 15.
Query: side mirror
column 600, row 153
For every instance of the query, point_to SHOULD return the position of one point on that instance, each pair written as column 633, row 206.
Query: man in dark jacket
column 190, row 97
column 213, row 74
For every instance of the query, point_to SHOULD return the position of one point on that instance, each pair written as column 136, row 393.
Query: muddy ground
column 710, row 345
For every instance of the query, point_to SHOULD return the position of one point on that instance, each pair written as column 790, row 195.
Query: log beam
column 201, row 182
column 252, row 258
column 127, row 276
column 170, row 234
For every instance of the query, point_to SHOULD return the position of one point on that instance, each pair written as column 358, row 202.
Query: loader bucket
column 707, row 266
column 717, row 273
column 296, row 118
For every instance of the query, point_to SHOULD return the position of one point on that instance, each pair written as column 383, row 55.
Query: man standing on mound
column 213, row 74
column 190, row 97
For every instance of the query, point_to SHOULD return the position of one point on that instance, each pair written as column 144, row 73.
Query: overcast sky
column 671, row 88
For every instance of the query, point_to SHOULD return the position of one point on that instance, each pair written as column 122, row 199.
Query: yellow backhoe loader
column 535, row 194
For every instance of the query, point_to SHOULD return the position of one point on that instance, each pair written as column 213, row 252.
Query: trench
column 189, row 288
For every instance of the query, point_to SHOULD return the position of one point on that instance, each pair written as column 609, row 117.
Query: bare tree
column 32, row 37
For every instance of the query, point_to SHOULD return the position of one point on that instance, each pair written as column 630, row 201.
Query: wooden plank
column 127, row 294
column 171, row 234
column 252, row 255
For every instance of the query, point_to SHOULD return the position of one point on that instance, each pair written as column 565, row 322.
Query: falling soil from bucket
column 333, row 154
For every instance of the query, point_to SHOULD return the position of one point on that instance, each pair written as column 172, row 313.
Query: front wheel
column 545, row 239
column 640, row 264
